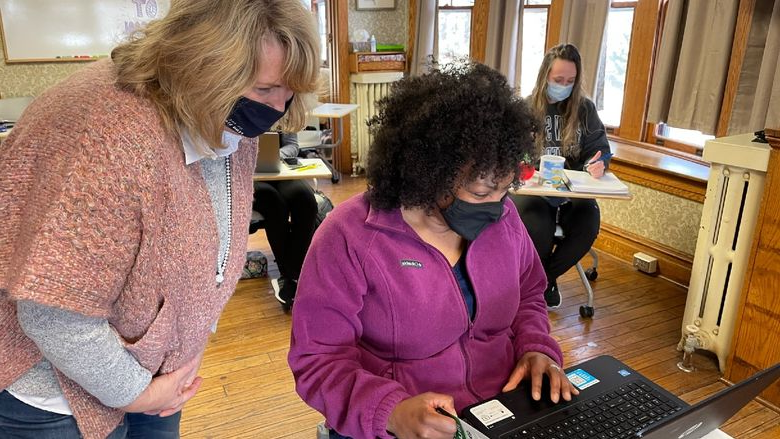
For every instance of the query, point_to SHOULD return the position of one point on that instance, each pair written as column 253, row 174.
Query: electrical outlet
column 645, row 263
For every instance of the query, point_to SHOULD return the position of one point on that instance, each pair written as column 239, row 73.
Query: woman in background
column 289, row 210
column 572, row 129
column 125, row 196
column 409, row 288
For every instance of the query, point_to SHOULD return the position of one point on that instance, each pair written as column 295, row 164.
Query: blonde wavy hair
column 196, row 62
column 571, row 106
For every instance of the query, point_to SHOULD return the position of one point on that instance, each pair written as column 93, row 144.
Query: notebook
column 268, row 145
column 580, row 181
column 615, row 401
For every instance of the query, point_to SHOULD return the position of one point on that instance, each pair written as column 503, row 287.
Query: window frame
column 471, row 21
column 616, row 4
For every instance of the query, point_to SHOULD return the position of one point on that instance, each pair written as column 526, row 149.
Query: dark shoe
column 552, row 295
column 284, row 291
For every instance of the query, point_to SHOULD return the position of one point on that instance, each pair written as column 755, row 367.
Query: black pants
column 289, row 209
column 579, row 219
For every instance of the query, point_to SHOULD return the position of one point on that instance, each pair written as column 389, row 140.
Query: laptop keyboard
column 618, row 413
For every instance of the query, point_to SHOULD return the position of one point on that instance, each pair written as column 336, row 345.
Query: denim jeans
column 334, row 435
column 21, row 421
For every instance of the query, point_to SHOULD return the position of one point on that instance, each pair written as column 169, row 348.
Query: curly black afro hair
column 439, row 131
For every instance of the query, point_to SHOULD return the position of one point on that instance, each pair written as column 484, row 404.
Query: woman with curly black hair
column 409, row 288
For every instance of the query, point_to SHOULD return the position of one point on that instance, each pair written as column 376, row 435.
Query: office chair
column 591, row 274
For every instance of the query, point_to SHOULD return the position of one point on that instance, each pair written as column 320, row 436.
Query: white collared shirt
column 230, row 142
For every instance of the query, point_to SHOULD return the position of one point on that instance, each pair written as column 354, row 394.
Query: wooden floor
column 248, row 390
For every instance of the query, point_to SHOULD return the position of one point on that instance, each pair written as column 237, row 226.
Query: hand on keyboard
column 535, row 365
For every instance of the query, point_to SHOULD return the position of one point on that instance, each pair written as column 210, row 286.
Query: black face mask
column 251, row 118
column 469, row 219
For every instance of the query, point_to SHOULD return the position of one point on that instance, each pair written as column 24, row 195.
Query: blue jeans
column 334, row 435
column 21, row 421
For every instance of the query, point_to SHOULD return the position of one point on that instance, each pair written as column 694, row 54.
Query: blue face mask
column 251, row 118
column 557, row 93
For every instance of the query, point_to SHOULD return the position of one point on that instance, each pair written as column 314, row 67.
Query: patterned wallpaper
column 658, row 216
column 30, row 79
column 389, row 27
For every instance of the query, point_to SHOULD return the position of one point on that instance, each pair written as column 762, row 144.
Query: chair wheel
column 591, row 274
column 586, row 311
column 335, row 178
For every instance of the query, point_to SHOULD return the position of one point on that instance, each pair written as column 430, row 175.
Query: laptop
column 615, row 401
column 268, row 145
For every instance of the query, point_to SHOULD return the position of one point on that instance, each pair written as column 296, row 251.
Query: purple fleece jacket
column 379, row 316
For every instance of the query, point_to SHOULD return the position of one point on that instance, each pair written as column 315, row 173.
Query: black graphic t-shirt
column 591, row 136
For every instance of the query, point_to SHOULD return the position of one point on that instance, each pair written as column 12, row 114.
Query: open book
column 581, row 181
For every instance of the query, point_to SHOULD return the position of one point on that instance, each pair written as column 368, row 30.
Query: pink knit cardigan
column 100, row 215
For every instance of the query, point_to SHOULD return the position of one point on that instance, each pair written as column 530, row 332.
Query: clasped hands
column 416, row 417
column 167, row 393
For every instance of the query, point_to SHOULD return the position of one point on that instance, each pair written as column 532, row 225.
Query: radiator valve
column 689, row 347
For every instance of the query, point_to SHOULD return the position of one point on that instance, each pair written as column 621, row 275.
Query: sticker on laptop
column 491, row 412
column 581, row 379
column 624, row 373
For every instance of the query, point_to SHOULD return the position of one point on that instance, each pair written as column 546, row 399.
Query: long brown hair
column 195, row 62
column 570, row 107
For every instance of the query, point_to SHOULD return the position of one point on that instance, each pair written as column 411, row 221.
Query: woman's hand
column 536, row 364
column 416, row 417
column 167, row 394
column 595, row 166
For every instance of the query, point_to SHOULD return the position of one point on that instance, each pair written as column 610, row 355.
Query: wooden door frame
column 339, row 29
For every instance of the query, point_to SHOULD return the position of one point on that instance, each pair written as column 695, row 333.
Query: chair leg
column 586, row 311
column 595, row 257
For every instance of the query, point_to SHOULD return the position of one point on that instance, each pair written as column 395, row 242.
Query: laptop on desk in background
column 615, row 401
column 268, row 160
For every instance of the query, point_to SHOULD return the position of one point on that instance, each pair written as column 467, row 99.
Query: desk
column 532, row 187
column 334, row 111
column 319, row 171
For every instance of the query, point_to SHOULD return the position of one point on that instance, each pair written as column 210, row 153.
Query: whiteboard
column 67, row 30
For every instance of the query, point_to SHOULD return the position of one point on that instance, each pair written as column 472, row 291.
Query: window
column 454, row 17
column 686, row 137
column 611, row 76
column 535, row 18
column 318, row 7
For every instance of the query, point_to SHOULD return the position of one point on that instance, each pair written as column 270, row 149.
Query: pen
column 307, row 167
column 606, row 156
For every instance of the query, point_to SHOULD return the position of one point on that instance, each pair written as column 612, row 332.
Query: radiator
column 733, row 198
column 368, row 88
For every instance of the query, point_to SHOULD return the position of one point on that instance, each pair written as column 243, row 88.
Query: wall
column 664, row 218
column 30, row 79
column 388, row 26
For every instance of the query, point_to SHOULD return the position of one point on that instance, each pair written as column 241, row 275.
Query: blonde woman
column 125, row 194
column 572, row 129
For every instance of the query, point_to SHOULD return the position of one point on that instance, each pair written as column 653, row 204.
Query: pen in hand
column 604, row 157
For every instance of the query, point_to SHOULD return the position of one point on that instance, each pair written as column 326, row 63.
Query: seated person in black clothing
column 290, row 210
column 572, row 129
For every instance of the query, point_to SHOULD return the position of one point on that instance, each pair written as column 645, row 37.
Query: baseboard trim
column 673, row 265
